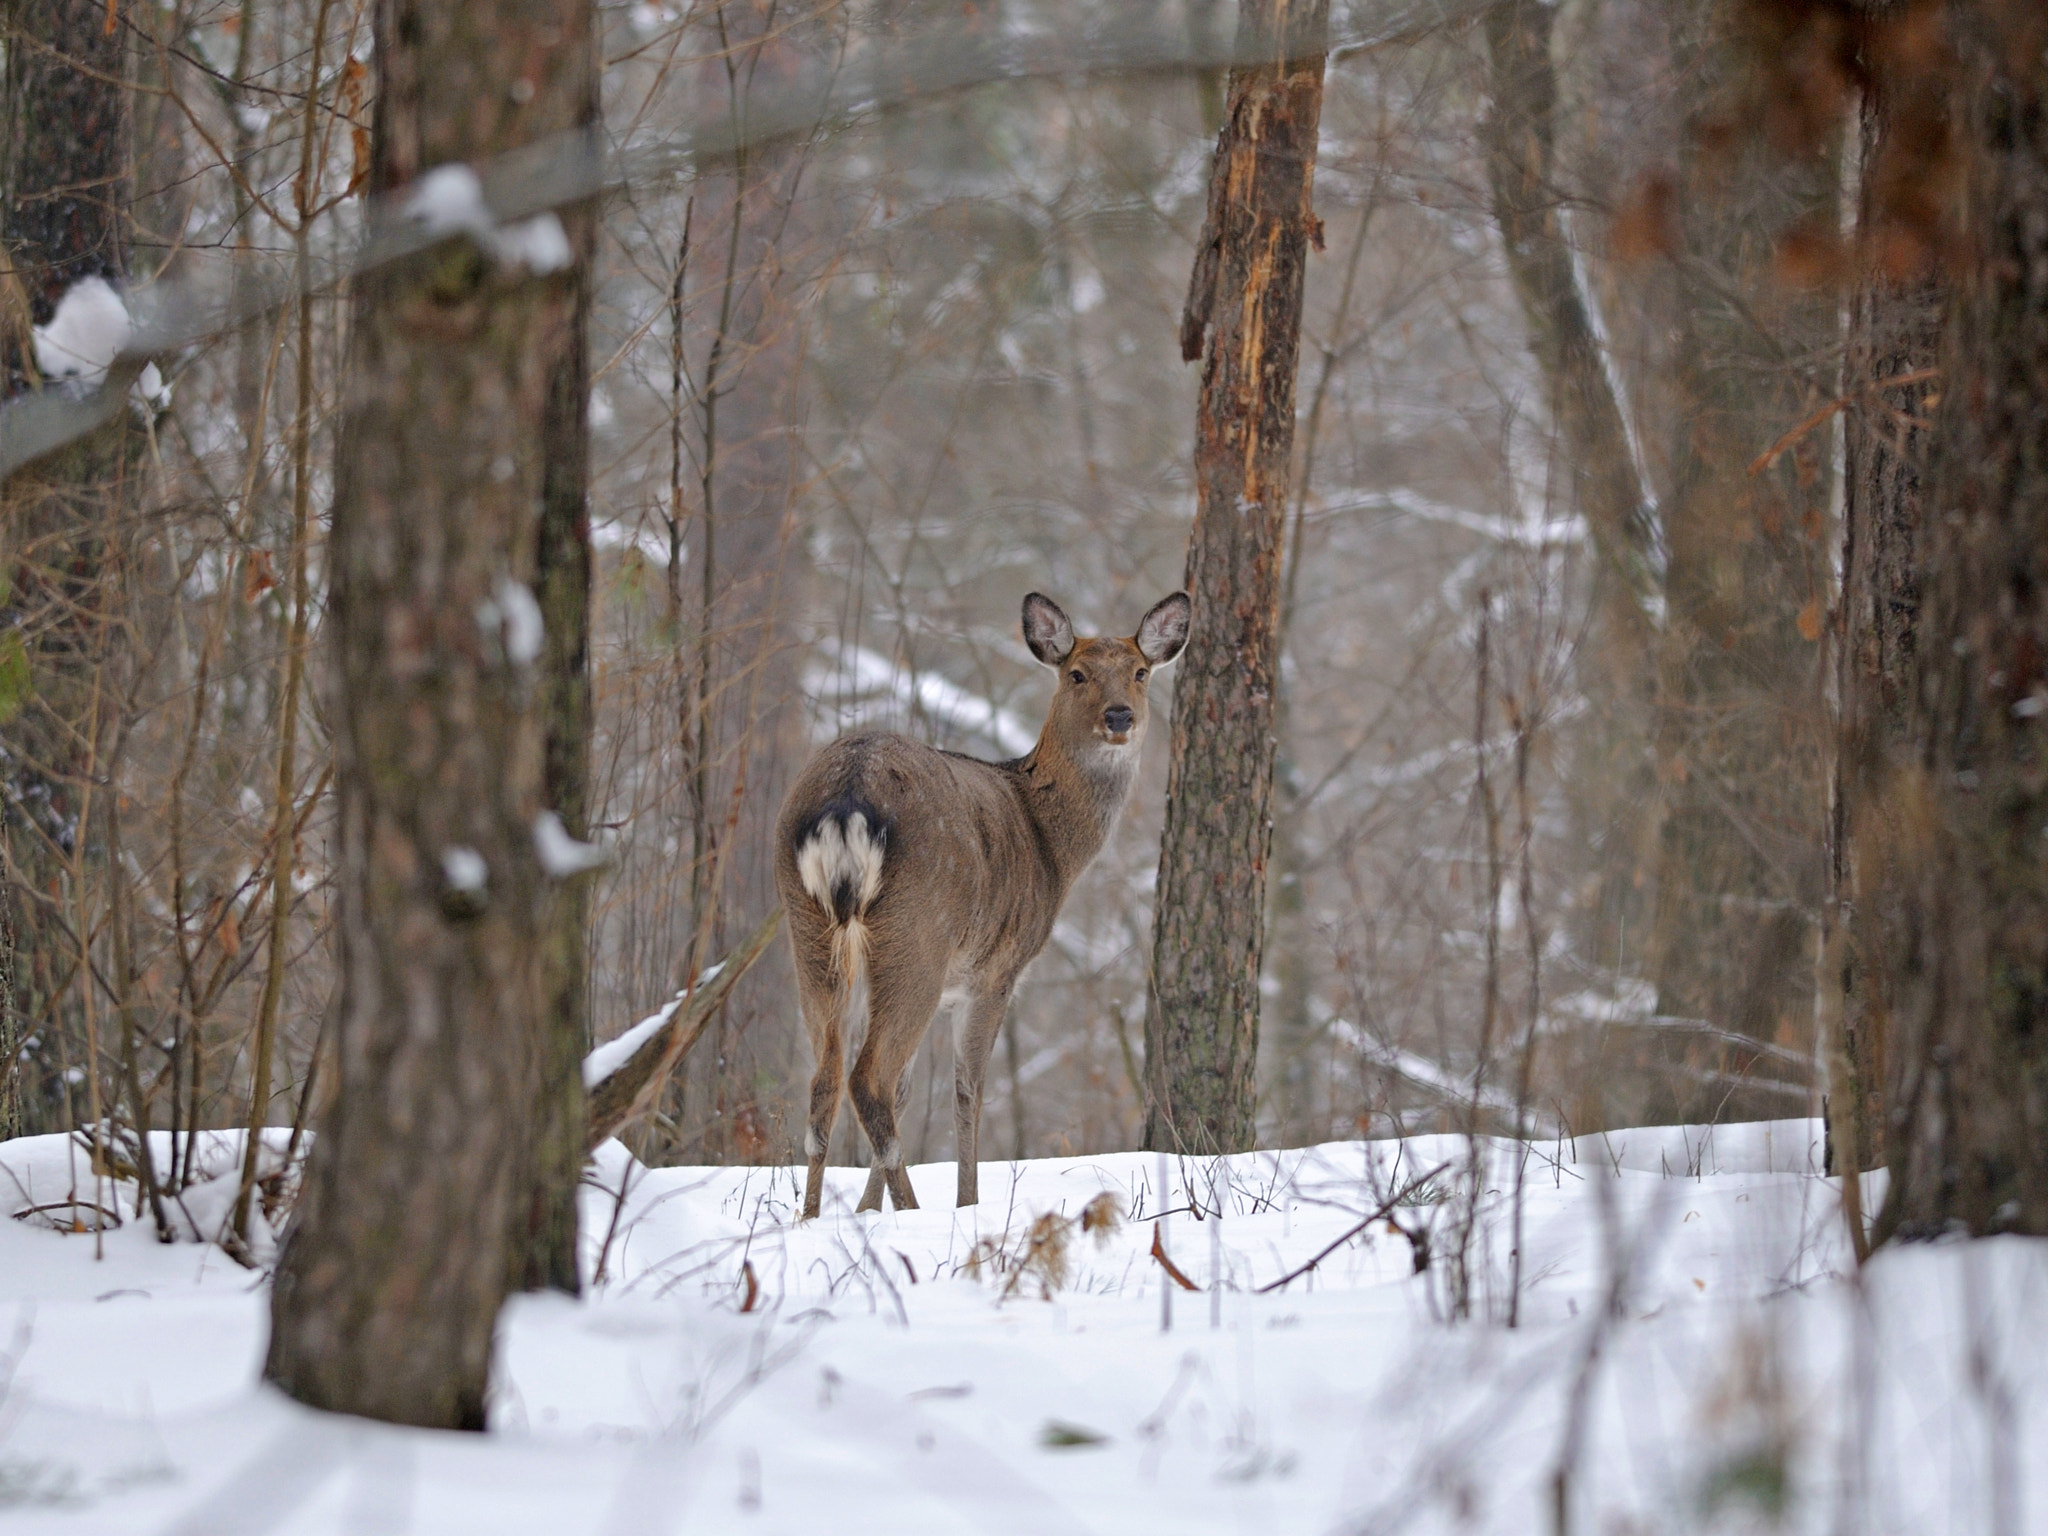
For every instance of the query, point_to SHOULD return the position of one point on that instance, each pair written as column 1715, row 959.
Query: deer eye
column 1078, row 675
column 1140, row 675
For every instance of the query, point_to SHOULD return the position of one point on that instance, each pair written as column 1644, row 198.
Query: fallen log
column 622, row 1077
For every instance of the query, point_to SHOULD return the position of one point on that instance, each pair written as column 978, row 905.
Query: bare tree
column 1243, row 323
column 388, row 1293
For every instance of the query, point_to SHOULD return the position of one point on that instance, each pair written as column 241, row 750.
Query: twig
column 753, row 1285
column 1777, row 450
column 1386, row 1209
column 1172, row 1269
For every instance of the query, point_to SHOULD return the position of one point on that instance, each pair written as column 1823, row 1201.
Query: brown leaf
column 1809, row 620
column 1646, row 224
column 258, row 575
column 359, row 164
column 1172, row 1269
column 353, row 76
column 1813, row 256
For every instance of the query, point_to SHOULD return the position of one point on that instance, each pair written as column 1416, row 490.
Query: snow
column 560, row 854
column 867, row 675
column 614, row 1054
column 1431, row 1075
column 512, row 616
column 465, row 869
column 539, row 244
column 153, row 388
column 86, row 333
column 449, row 200
column 1744, row 1377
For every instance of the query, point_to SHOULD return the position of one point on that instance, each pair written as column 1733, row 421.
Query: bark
column 60, row 222
column 1243, row 322
column 389, row 1289
column 1737, row 736
column 1967, row 1089
column 545, row 1238
column 1894, row 335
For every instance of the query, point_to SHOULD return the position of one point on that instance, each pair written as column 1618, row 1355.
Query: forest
column 1489, row 960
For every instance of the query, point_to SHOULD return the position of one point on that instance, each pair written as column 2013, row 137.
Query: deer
column 914, row 880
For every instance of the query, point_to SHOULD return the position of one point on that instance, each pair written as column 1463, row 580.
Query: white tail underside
column 839, row 857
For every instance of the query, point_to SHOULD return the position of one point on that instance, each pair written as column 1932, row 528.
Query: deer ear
column 1047, row 630
column 1165, row 629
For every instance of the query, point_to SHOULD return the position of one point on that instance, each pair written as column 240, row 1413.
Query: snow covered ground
column 1734, row 1376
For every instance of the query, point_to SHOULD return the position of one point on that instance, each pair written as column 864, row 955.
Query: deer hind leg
column 978, row 1027
column 824, row 1000
column 871, row 1197
column 901, row 1003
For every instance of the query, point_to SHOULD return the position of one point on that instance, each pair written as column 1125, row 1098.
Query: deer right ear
column 1047, row 630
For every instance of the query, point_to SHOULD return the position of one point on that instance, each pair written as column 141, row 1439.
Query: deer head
column 1101, row 700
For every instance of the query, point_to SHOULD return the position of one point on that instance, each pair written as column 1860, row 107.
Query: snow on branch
column 622, row 1077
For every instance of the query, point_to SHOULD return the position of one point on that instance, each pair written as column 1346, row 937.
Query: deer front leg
column 979, row 1027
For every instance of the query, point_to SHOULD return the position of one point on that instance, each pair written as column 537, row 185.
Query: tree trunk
column 1894, row 336
column 1606, row 487
column 1738, row 738
column 1967, row 1089
column 61, row 222
column 1243, row 321
column 1609, row 791
column 544, row 1245
column 389, row 1289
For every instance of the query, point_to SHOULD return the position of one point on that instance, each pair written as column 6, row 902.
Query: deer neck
column 1075, row 795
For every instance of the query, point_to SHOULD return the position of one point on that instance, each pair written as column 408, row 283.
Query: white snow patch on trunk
column 85, row 335
column 449, row 200
column 560, row 854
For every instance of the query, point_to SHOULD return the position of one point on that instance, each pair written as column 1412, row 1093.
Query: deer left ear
column 1165, row 629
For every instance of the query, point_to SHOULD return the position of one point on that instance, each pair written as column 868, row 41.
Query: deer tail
column 839, row 860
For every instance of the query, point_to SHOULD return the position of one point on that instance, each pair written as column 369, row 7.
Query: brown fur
column 975, row 860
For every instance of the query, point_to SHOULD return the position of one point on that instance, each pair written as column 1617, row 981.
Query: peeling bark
column 1243, row 323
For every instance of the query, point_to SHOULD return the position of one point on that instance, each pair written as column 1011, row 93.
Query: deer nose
column 1118, row 718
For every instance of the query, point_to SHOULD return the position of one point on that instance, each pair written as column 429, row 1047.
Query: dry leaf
column 1646, row 225
column 1809, row 620
column 258, row 575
